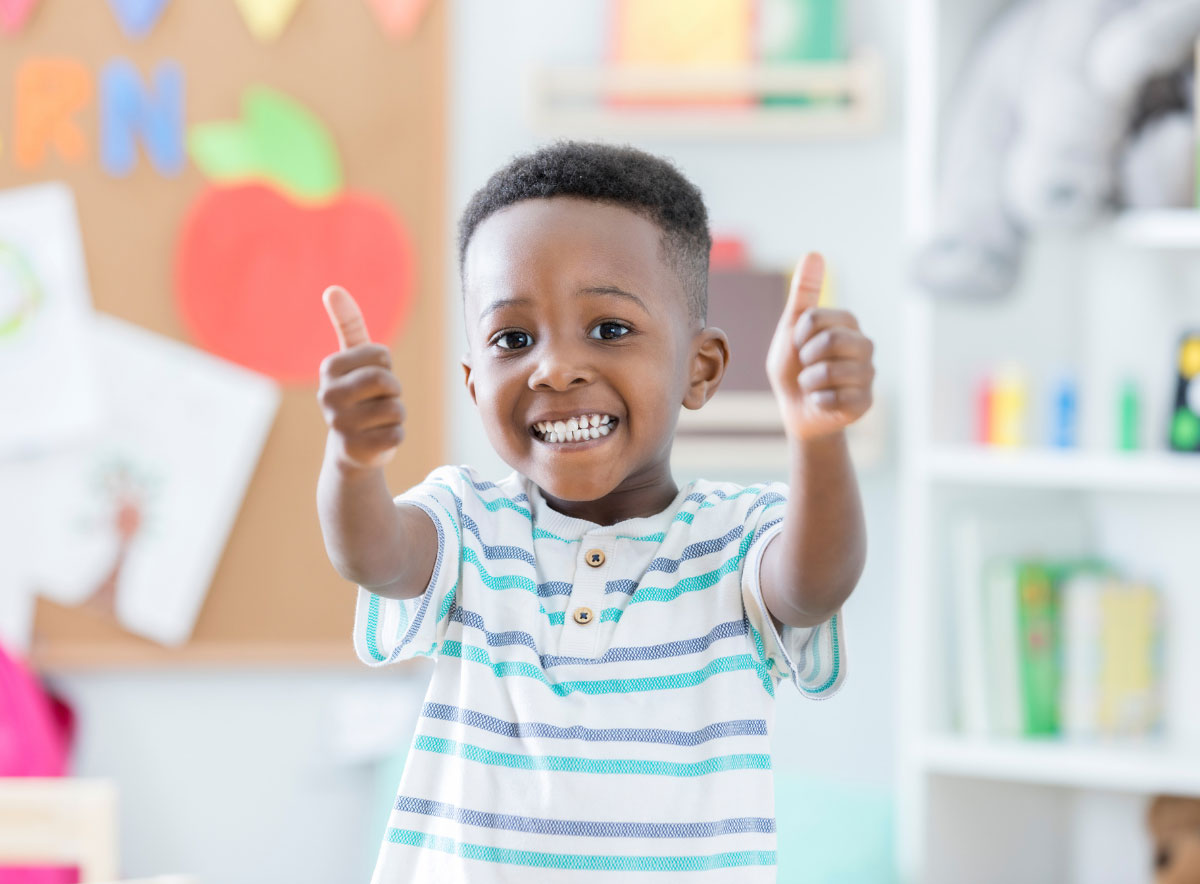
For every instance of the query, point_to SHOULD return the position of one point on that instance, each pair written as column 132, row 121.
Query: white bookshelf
column 1149, row 472
column 1135, row 766
column 1108, row 302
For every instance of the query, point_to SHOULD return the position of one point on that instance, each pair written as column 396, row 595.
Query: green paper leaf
column 277, row 140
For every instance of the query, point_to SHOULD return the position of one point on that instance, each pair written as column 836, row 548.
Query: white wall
column 229, row 774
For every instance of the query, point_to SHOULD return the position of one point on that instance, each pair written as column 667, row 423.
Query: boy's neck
column 635, row 498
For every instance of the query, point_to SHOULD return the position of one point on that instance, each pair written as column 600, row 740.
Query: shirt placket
column 581, row 624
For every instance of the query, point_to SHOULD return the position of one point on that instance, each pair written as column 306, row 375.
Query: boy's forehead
column 569, row 241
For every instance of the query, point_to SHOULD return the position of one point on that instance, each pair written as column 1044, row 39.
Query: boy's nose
column 559, row 369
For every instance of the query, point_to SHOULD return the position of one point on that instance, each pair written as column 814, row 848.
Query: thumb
column 347, row 319
column 805, row 290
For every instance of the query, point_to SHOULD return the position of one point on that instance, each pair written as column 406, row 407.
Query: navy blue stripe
column 741, row 727
column 585, row 828
column 695, row 551
column 764, row 500
column 764, row 527
column 498, row 552
column 678, row 648
column 625, row 587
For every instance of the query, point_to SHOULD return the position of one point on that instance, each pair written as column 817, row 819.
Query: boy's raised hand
column 819, row 362
column 359, row 395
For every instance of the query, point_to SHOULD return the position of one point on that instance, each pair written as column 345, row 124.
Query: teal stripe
column 576, row 764
column 373, row 629
column 814, row 647
column 505, row 668
column 641, row 594
column 837, row 660
column 540, row 534
column 490, row 505
column 597, row 862
column 607, row 615
column 694, row 583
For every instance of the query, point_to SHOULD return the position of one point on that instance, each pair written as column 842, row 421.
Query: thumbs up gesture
column 359, row 395
column 819, row 362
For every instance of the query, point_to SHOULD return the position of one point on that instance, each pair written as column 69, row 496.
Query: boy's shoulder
column 465, row 481
column 729, row 500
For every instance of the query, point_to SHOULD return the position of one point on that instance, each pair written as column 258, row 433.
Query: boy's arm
column 388, row 549
column 819, row 364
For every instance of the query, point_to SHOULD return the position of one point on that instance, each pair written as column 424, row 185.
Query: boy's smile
column 581, row 352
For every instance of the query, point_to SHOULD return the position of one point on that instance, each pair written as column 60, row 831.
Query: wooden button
column 583, row 615
column 594, row 557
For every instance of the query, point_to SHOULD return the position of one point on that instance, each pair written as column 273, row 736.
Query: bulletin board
column 382, row 95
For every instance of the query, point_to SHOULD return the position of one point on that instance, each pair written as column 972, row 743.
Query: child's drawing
column 151, row 503
column 47, row 391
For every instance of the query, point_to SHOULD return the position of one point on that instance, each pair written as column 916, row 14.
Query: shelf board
column 1136, row 766
column 1159, row 228
column 1144, row 471
column 574, row 100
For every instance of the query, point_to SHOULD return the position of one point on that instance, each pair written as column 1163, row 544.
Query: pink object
column 13, row 14
column 728, row 253
column 983, row 412
column 35, row 741
column 399, row 18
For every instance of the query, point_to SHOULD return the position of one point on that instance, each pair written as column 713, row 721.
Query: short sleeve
column 390, row 630
column 813, row 658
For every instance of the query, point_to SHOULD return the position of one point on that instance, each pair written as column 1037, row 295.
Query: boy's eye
column 513, row 340
column 607, row 331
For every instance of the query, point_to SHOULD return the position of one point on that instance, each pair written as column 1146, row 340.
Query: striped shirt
column 602, row 695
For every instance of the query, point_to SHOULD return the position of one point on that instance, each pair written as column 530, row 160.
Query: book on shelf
column 1053, row 647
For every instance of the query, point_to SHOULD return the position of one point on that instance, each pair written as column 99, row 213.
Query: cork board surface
column 274, row 597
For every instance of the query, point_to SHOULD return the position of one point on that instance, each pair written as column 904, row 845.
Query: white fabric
column 636, row 743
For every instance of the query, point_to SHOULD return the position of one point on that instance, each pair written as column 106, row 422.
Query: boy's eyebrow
column 588, row 290
column 613, row 290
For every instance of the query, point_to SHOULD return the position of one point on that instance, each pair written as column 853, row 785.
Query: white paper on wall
column 148, row 506
column 47, row 389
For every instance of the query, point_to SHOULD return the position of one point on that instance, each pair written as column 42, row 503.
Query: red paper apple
column 257, row 250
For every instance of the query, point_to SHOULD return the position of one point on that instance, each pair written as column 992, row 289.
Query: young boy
column 607, row 644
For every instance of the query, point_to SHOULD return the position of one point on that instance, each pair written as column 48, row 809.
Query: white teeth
column 575, row 429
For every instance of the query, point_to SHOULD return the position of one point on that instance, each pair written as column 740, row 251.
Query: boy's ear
column 710, row 356
column 466, row 367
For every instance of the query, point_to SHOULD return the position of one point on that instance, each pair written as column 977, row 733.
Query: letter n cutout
column 128, row 110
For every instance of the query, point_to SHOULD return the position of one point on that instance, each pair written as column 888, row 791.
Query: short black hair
column 620, row 175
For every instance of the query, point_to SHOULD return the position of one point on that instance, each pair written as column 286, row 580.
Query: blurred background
column 1005, row 194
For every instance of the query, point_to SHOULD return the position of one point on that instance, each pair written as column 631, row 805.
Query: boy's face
column 572, row 311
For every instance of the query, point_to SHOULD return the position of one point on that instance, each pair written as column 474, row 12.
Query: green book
column 1038, row 637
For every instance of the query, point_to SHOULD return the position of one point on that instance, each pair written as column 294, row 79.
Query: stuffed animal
column 1037, row 132
column 1144, row 58
column 1175, row 829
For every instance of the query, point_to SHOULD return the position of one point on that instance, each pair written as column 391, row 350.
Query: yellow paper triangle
column 399, row 17
column 266, row 19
